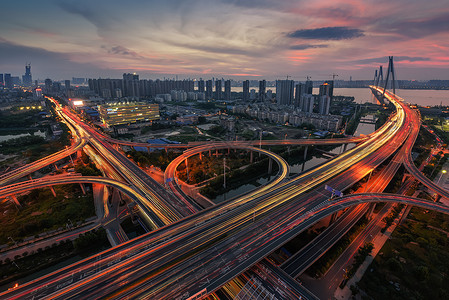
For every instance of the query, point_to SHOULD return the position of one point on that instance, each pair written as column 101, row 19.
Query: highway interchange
column 195, row 254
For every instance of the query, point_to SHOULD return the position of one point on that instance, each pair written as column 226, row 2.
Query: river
column 362, row 95
column 14, row 136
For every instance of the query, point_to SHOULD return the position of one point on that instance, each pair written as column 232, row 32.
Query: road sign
column 333, row 191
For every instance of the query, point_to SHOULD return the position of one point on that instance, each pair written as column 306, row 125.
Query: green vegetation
column 91, row 242
column 382, row 117
column 157, row 126
column 86, row 244
column 40, row 211
column 391, row 217
column 157, row 158
column 359, row 258
column 236, row 178
column 12, row 146
column 414, row 263
column 29, row 263
column 353, row 123
column 86, row 167
column 31, row 147
column 18, row 119
column 320, row 267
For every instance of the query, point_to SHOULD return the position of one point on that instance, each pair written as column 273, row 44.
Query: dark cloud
column 120, row 50
column 327, row 33
column 307, row 46
column 418, row 28
column 384, row 59
column 98, row 18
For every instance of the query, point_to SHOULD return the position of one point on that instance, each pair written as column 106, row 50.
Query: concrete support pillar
column 29, row 177
column 370, row 212
column 210, row 153
column 201, row 156
column 251, row 156
column 53, row 191
column 229, row 151
column 216, row 152
column 303, row 166
column 148, row 149
column 14, row 199
column 79, row 153
column 83, row 188
column 56, row 167
column 333, row 218
column 305, row 152
column 270, row 165
column 187, row 167
column 166, row 150
column 345, row 146
column 288, row 150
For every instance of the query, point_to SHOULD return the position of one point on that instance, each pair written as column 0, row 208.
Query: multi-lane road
column 200, row 253
column 228, row 238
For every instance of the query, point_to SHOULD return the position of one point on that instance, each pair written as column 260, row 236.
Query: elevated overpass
column 221, row 242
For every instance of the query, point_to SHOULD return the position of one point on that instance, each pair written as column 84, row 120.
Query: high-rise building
column 26, row 79
column 299, row 92
column 227, row 91
column 209, row 89
column 246, row 90
column 8, row 81
column 252, row 94
column 201, row 85
column 262, row 89
column 131, row 85
column 309, row 87
column 324, row 104
column 67, row 84
column 48, row 85
column 325, row 97
column 284, row 92
column 269, row 95
column 1, row 80
column 218, row 90
column 307, row 103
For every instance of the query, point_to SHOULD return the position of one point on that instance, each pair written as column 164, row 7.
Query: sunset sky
column 233, row 39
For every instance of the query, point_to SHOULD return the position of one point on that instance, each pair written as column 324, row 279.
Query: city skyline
column 231, row 39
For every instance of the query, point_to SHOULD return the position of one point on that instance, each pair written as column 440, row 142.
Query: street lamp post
column 442, row 172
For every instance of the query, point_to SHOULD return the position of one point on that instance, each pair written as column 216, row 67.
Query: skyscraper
column 48, row 85
column 67, row 84
column 131, row 85
column 218, row 90
column 201, row 85
column 326, row 90
column 308, row 87
column 26, row 79
column 209, row 89
column 8, row 81
column 227, row 91
column 246, row 90
column 262, row 89
column 299, row 92
column 307, row 103
column 284, row 92
column 1, row 80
